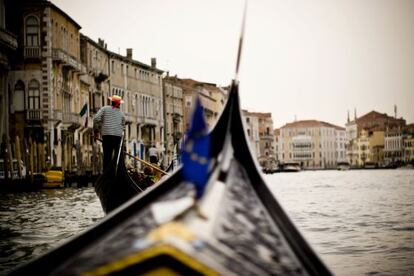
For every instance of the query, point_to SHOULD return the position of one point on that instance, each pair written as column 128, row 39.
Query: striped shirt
column 112, row 121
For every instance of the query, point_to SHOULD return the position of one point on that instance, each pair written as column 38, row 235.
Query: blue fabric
column 196, row 151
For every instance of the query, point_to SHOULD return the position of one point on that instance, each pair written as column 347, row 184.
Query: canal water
column 359, row 222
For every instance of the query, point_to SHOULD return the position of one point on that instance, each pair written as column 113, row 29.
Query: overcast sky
column 301, row 58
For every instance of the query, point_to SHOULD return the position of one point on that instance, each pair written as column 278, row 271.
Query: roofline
column 135, row 62
column 322, row 124
column 50, row 4
column 93, row 42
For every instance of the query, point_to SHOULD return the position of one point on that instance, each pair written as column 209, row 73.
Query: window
column 18, row 97
column 34, row 95
column 113, row 66
column 32, row 31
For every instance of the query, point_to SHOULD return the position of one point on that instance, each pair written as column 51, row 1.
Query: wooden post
column 35, row 163
column 30, row 150
column 41, row 156
column 26, row 155
column 94, row 160
column 5, row 156
column 79, row 161
column 10, row 158
column 18, row 156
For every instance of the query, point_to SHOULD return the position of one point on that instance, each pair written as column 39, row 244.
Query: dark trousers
column 153, row 159
column 110, row 146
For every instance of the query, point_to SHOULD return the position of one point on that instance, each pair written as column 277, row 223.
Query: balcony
column 8, row 39
column 150, row 121
column 31, row 52
column 33, row 115
column 130, row 118
column 61, row 56
column 266, row 136
column 177, row 117
column 70, row 118
column 57, row 115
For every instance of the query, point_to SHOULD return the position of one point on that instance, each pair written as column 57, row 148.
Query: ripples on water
column 359, row 222
column 33, row 223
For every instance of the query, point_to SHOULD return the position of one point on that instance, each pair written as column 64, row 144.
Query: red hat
column 116, row 99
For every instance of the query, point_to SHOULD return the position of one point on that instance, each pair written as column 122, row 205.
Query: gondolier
column 111, row 122
column 153, row 154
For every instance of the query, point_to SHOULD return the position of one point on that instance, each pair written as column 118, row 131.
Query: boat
column 291, row 167
column 370, row 165
column 237, row 227
column 115, row 186
column 54, row 178
column 343, row 166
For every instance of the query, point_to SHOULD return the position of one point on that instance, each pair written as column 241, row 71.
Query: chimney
column 153, row 62
column 101, row 42
column 129, row 53
column 395, row 111
column 348, row 120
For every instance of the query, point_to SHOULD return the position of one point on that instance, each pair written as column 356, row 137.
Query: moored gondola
column 235, row 228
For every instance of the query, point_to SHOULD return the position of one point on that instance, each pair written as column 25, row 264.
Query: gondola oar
column 140, row 160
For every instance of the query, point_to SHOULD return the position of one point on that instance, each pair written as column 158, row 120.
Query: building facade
column 311, row 143
column 8, row 46
column 59, row 78
column 174, row 117
column 259, row 131
column 374, row 137
column 140, row 85
column 251, row 123
column 45, row 80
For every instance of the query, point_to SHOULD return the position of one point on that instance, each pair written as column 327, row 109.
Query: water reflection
column 32, row 223
column 360, row 222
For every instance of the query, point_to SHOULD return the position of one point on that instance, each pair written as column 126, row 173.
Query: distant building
column 408, row 144
column 259, row 128
column 174, row 116
column 252, row 131
column 374, row 137
column 276, row 134
column 211, row 96
column 94, row 91
column 140, row 86
column 314, row 144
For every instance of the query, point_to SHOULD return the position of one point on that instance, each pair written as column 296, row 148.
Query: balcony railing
column 150, row 121
column 33, row 115
column 266, row 136
column 31, row 52
column 70, row 118
column 67, row 60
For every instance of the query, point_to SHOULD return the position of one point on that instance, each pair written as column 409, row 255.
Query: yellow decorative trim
column 173, row 228
column 149, row 253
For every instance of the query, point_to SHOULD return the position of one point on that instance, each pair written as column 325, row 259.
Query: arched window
column 18, row 96
column 34, row 95
column 32, row 31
